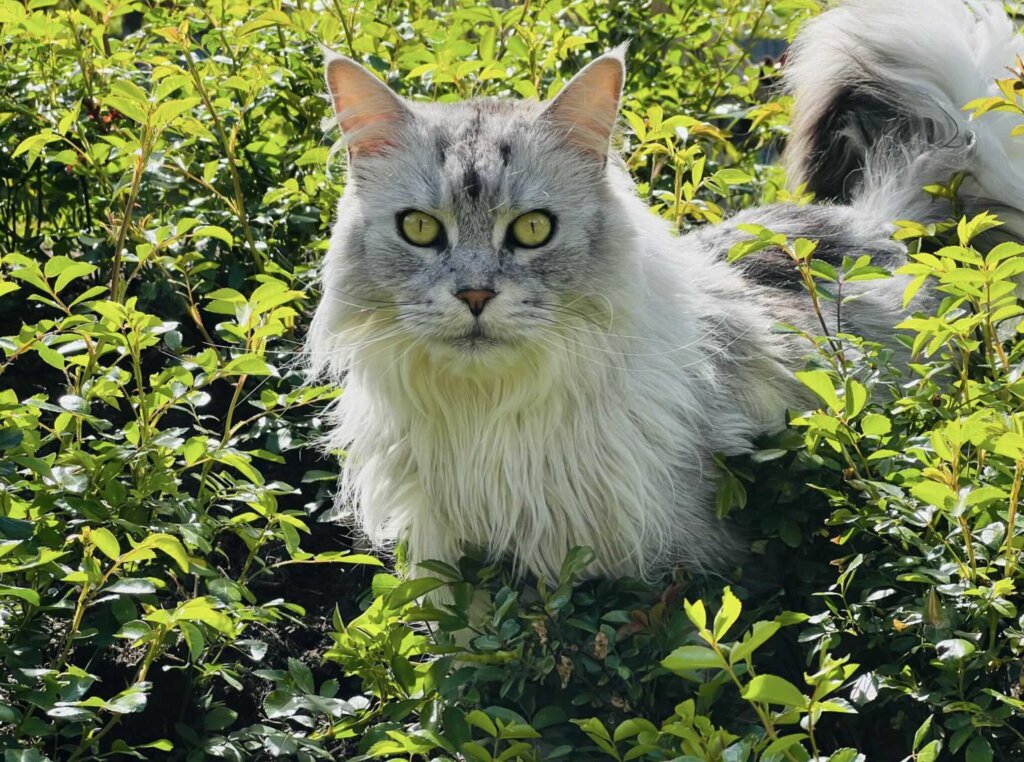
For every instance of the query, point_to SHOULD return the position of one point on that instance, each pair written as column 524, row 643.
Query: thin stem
column 151, row 654
column 766, row 721
column 122, row 233
column 227, row 430
column 229, row 153
column 1011, row 519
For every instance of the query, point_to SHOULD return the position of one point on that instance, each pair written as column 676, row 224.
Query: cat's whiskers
column 385, row 320
column 553, row 307
column 417, row 341
column 396, row 330
column 698, row 340
column 611, row 307
column 675, row 348
column 370, row 305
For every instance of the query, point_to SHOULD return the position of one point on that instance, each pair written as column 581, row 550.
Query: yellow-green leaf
column 727, row 614
column 105, row 541
column 214, row 231
column 690, row 658
column 771, row 689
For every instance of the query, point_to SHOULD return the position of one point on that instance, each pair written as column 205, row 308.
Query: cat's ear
column 369, row 114
column 584, row 112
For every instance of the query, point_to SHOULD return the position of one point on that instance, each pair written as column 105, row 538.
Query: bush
column 174, row 579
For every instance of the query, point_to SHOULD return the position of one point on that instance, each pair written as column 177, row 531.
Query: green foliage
column 167, row 586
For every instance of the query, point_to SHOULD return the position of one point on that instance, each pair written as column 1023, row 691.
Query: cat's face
column 476, row 228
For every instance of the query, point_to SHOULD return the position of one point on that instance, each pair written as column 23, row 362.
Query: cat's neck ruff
column 547, row 448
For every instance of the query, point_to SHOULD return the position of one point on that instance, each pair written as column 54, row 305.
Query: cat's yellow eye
column 532, row 229
column 419, row 228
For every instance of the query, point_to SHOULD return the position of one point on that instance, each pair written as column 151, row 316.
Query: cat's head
column 475, row 229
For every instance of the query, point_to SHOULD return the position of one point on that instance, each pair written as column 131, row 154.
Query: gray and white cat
column 532, row 361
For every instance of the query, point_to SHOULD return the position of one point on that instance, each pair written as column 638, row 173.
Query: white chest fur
column 590, row 445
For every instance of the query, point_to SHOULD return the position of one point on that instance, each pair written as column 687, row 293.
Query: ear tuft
column 584, row 113
column 369, row 113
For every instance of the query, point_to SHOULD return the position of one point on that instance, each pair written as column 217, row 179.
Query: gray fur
column 584, row 404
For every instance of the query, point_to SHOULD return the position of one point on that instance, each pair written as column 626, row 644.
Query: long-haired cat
column 532, row 361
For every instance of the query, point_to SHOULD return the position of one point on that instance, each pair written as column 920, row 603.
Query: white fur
column 934, row 57
column 586, row 438
column 602, row 435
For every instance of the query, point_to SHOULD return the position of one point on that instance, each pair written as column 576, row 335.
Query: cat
column 532, row 361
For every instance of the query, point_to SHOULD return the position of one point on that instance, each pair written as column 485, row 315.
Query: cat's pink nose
column 476, row 298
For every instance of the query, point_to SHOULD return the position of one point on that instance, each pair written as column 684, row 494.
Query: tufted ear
column 369, row 114
column 584, row 113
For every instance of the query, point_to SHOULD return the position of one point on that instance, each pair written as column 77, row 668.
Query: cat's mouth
column 476, row 339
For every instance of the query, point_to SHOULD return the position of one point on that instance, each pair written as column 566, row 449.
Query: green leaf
column 471, row 749
column 934, row 493
column 172, row 547
column 978, row 750
column 70, row 713
column 922, row 732
column 161, row 744
column 130, row 108
column 781, row 744
column 67, row 271
column 633, row 726
column 125, row 88
column 482, row 721
column 690, row 658
column 823, row 270
column 11, row 438
column 202, row 610
column 34, row 144
column 856, row 397
column 759, row 634
column 954, row 649
column 70, row 117
column 696, row 614
column 15, row 529
column 410, row 590
column 194, row 639
column 248, row 365
column 301, row 674
column 170, row 110
column 820, row 382
column 131, row 587
column 732, row 176
column 576, row 561
column 29, row 596
column 727, row 614
column 846, row 755
column 51, row 357
column 316, row 156
column 131, row 700
column 193, row 449
column 875, row 425
column 770, row 689
column 105, row 541
column 930, row 752
column 219, row 717
column 598, row 733
column 345, row 557
column 214, row 231
column 968, row 229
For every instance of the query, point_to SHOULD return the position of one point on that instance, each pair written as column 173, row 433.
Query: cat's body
column 528, row 399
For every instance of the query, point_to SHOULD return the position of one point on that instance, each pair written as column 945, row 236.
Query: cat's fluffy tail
column 879, row 90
